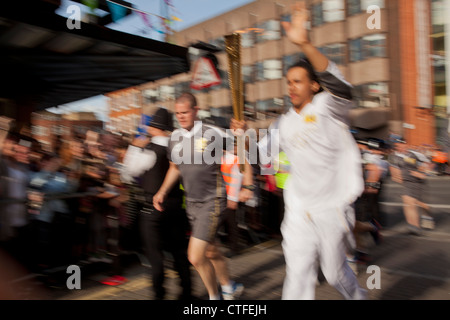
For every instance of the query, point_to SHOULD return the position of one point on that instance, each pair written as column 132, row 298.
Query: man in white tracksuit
column 325, row 175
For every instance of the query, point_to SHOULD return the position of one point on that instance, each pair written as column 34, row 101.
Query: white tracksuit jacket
column 325, row 179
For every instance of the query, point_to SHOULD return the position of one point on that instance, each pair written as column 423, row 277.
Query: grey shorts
column 206, row 217
column 415, row 189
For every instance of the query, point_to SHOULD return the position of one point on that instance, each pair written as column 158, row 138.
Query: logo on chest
column 200, row 144
column 310, row 118
column 301, row 133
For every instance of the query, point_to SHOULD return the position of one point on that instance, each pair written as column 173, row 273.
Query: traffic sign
column 205, row 74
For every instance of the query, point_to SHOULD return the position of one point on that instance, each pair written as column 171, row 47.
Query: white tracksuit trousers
column 313, row 237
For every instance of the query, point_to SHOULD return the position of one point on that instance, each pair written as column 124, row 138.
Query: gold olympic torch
column 233, row 49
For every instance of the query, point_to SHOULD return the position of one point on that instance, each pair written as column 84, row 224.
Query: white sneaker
column 238, row 288
column 427, row 222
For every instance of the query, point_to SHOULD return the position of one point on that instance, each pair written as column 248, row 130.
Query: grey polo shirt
column 198, row 154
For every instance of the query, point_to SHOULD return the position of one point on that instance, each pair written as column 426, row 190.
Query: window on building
column 371, row 95
column 333, row 10
column 270, row 107
column 166, row 93
column 249, row 110
column 221, row 116
column 438, row 16
column 317, row 14
column 368, row 47
column 65, row 130
column 248, row 38
column 356, row 53
column 218, row 42
column 353, row 7
column 150, row 95
column 366, row 3
column 39, row 131
column 57, row 130
column 285, row 17
column 124, row 124
column 360, row 6
column 259, row 71
column 374, row 46
column 268, row 30
column 264, row 105
column 335, row 52
column 224, row 79
column 269, row 70
column 248, row 74
column 123, row 105
column 182, row 87
column 136, row 99
column 439, row 63
column 114, row 104
column 79, row 130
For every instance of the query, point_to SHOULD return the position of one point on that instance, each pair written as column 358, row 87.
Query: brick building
column 382, row 47
column 48, row 127
column 125, row 110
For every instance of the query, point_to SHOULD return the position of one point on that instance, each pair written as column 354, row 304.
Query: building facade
column 382, row 48
column 440, row 36
column 50, row 129
column 125, row 110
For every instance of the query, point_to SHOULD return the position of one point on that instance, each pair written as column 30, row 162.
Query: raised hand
column 296, row 29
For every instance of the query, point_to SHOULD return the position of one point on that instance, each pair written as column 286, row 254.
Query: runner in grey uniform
column 203, row 183
column 195, row 152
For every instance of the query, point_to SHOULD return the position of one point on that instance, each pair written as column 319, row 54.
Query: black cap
column 162, row 120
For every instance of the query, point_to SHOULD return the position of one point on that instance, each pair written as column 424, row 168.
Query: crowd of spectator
column 74, row 204
column 59, row 207
column 64, row 206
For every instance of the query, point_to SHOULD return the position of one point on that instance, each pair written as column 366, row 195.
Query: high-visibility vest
column 183, row 204
column 232, row 176
column 439, row 157
column 282, row 173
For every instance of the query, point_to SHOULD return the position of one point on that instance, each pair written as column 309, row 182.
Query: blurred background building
column 51, row 129
column 397, row 65
column 440, row 37
column 395, row 53
column 49, row 60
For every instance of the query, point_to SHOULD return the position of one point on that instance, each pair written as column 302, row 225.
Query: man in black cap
column 146, row 159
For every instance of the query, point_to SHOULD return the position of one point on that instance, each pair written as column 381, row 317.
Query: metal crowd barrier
column 112, row 217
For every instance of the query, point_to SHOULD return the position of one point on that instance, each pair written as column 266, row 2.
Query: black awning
column 46, row 63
